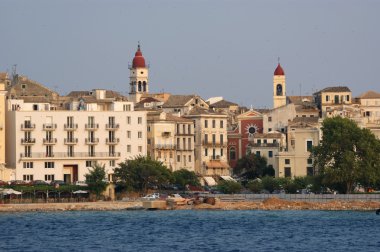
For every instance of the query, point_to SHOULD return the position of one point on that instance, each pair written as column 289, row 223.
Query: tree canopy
column 253, row 166
column 96, row 179
column 184, row 177
column 347, row 155
column 141, row 172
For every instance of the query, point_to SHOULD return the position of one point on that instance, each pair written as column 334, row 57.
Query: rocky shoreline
column 268, row 204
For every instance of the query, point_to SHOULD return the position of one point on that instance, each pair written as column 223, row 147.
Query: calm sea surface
column 191, row 231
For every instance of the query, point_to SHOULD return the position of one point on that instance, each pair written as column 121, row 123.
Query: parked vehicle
column 19, row 182
column 3, row 183
column 39, row 182
column 80, row 183
column 179, row 200
column 58, row 182
column 152, row 196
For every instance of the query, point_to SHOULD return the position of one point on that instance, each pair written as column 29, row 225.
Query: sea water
column 190, row 231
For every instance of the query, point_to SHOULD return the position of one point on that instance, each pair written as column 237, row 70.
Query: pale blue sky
column 211, row 48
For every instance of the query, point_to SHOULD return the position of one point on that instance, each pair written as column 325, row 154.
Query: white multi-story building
column 45, row 144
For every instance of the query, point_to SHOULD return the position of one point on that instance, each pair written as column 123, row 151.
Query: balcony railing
column 50, row 140
column 165, row 146
column 27, row 141
column 186, row 148
column 215, row 144
column 92, row 126
column 112, row 126
column 28, row 126
column 71, row 140
column 214, row 157
column 112, row 141
column 59, row 155
column 71, row 126
column 49, row 126
column 92, row 140
column 265, row 144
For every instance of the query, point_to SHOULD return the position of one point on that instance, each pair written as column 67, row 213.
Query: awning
column 217, row 164
column 228, row 178
column 10, row 191
column 210, row 181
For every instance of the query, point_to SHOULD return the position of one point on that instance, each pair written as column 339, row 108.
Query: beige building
column 183, row 104
column 210, row 142
column 4, row 172
column 294, row 161
column 331, row 99
column 47, row 144
column 369, row 103
column 171, row 140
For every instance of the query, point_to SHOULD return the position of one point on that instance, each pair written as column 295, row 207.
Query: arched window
column 139, row 86
column 232, row 153
column 144, row 86
column 279, row 89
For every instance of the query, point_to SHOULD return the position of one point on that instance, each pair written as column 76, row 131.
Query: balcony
column 165, row 146
column 270, row 145
column 49, row 126
column 92, row 126
column 28, row 141
column 216, row 157
column 113, row 126
column 70, row 141
column 28, row 126
column 181, row 148
column 214, row 144
column 91, row 141
column 49, row 141
column 65, row 155
column 112, row 141
column 71, row 126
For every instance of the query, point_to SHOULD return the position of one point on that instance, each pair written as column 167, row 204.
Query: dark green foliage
column 255, row 186
column 141, row 172
column 270, row 184
column 96, row 179
column 347, row 155
column 184, row 177
column 253, row 166
column 229, row 186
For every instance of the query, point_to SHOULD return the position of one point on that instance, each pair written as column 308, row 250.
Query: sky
column 205, row 47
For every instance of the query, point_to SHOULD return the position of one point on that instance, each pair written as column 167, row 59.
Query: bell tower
column 138, row 80
column 279, row 87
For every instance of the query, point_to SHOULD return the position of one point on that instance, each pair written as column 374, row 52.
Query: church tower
column 279, row 87
column 138, row 79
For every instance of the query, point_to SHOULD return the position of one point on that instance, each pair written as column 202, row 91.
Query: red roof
column 279, row 70
column 138, row 60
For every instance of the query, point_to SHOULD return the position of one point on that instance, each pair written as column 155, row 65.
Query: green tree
column 270, row 184
column 229, row 186
column 141, row 172
column 347, row 155
column 255, row 185
column 96, row 179
column 185, row 177
column 253, row 166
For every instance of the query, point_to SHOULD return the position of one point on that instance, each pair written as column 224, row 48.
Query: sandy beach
column 268, row 204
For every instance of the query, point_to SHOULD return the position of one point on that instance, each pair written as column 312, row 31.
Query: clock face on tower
column 279, row 89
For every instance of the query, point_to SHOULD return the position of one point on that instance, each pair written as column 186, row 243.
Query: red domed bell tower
column 138, row 79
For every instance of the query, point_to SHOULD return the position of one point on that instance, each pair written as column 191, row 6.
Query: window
column 90, row 163
column 178, row 158
column 287, row 161
column 206, row 139
column 221, row 124
column 128, row 120
column 336, row 99
column 27, row 177
column 49, row 164
column 270, row 154
column 28, row 164
column 148, row 129
column 139, row 134
column 183, row 129
column 129, row 148
column 70, row 151
column 206, row 123
column 221, row 152
column 309, row 161
column 221, row 139
column 158, row 154
column 269, row 129
column 189, row 143
column 127, row 107
column 213, row 139
column 265, row 141
column 309, row 145
column 232, row 153
column 309, row 171
column 288, row 172
column 139, row 148
column 258, row 153
column 148, row 141
column 189, row 129
column 327, row 98
column 189, row 158
column 112, row 162
column 170, row 154
column 213, row 123
column 348, row 98
column 129, row 134
column 206, row 152
column 269, row 119
column 139, row 120
column 49, row 177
